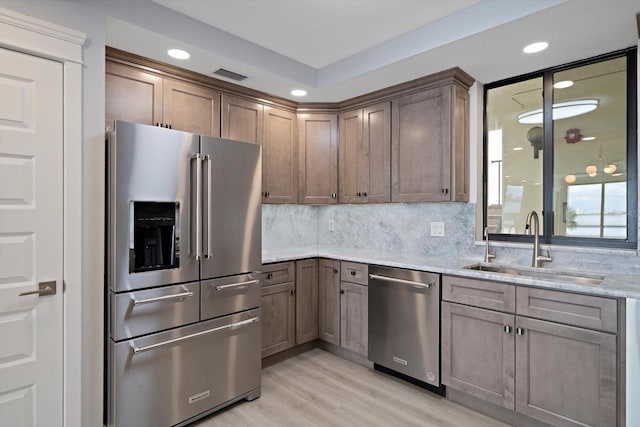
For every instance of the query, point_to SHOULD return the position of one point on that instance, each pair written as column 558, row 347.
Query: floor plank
column 317, row 388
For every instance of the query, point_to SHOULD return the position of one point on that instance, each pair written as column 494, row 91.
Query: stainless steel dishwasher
column 404, row 324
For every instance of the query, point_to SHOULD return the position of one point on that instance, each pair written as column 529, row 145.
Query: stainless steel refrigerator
column 183, row 264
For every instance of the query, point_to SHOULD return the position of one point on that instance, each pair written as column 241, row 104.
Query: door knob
column 44, row 288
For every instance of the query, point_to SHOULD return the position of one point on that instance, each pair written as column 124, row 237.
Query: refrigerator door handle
column 196, row 217
column 208, row 253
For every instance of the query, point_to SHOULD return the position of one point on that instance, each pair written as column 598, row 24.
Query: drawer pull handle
column 235, row 285
column 232, row 326
column 164, row 298
column 404, row 282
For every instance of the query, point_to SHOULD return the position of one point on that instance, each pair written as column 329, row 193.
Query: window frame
column 546, row 235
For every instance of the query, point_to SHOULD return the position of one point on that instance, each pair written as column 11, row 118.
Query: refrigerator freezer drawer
column 167, row 378
column 230, row 295
column 143, row 312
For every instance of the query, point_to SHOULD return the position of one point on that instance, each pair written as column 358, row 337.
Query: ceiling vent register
column 229, row 74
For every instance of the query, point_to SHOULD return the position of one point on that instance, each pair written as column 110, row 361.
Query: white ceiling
column 317, row 33
column 338, row 49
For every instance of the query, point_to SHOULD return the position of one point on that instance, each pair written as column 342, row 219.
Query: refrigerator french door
column 178, row 203
column 182, row 283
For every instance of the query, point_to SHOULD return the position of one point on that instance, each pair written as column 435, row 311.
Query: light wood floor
column 317, row 388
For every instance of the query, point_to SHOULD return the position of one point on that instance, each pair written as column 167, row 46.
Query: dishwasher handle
column 402, row 281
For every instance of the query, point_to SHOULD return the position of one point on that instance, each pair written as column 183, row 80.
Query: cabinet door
column 354, row 317
column 279, row 157
column 191, row 108
column 566, row 376
column 329, row 301
column 421, row 141
column 132, row 95
column 351, row 162
column 318, row 158
column 376, row 161
column 306, row 300
column 478, row 353
column 241, row 120
column 278, row 318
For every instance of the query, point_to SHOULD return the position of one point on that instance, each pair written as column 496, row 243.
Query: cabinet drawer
column 572, row 309
column 480, row 293
column 281, row 272
column 354, row 272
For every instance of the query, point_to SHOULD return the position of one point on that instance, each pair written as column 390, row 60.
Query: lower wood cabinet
column 343, row 307
column 289, row 304
column 329, row 301
column 478, row 354
column 306, row 300
column 561, row 374
column 354, row 320
column 278, row 318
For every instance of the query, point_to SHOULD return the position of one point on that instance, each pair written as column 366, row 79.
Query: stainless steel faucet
column 488, row 255
column 538, row 258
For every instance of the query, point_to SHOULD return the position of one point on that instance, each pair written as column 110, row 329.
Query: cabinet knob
column 507, row 329
column 341, row 291
column 269, row 276
column 364, row 194
column 335, row 270
column 334, row 195
column 519, row 331
column 359, row 194
column 352, row 272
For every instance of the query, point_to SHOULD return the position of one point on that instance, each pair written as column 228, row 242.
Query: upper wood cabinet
column 191, row 108
column 279, row 156
column 132, row 95
column 364, row 165
column 242, row 120
column 430, row 145
column 318, row 158
column 141, row 97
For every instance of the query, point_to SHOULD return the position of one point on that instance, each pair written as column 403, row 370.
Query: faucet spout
column 488, row 255
column 538, row 258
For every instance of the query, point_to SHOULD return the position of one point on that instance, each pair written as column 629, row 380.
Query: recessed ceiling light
column 518, row 148
column 178, row 54
column 563, row 84
column 588, row 138
column 298, row 92
column 535, row 47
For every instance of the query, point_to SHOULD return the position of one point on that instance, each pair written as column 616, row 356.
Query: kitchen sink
column 537, row 273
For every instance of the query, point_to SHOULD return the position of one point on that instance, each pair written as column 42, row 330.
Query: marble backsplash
column 405, row 228
column 286, row 226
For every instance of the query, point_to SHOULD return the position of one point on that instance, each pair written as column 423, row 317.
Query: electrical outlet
column 437, row 229
column 332, row 225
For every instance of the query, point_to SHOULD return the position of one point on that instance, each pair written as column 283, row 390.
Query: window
column 562, row 142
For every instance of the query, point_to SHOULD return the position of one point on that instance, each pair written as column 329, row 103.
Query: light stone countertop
column 613, row 285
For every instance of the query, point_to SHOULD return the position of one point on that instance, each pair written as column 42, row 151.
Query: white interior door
column 31, row 245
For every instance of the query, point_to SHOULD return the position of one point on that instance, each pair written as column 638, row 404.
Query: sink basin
column 537, row 273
